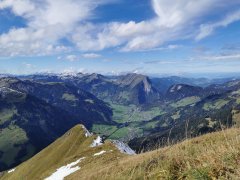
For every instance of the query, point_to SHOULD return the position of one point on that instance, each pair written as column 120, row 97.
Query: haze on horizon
column 154, row 37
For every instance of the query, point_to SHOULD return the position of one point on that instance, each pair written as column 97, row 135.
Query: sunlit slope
column 212, row 156
column 72, row 146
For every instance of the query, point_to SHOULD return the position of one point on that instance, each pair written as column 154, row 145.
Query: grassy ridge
column 71, row 146
column 212, row 156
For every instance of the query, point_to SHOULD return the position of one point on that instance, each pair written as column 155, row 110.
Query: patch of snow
column 12, row 170
column 124, row 148
column 64, row 171
column 173, row 88
column 87, row 133
column 97, row 142
column 101, row 152
column 176, row 87
column 179, row 87
column 68, row 73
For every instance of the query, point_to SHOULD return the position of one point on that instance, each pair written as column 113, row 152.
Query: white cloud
column 91, row 55
column 224, row 57
column 172, row 22
column 173, row 14
column 162, row 48
column 208, row 29
column 50, row 21
column 19, row 7
column 72, row 58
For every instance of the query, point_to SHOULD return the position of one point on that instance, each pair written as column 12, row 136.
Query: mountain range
column 139, row 110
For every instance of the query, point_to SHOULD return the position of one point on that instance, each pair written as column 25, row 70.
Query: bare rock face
column 139, row 87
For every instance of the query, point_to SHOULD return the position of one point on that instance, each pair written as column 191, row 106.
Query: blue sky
column 157, row 37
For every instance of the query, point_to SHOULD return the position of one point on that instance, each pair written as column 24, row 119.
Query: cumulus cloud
column 19, row 7
column 50, row 21
column 172, row 22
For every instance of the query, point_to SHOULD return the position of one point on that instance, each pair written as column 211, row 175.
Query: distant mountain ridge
column 113, row 88
column 129, row 88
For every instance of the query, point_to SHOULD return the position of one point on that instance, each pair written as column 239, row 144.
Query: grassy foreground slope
column 73, row 145
column 212, row 156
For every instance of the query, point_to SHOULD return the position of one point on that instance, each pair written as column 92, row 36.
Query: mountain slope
column 83, row 106
column 27, row 125
column 102, row 87
column 212, row 156
column 138, row 89
column 127, row 89
column 76, row 144
column 180, row 91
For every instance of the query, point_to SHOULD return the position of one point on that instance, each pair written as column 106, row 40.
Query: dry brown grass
column 236, row 118
column 212, row 156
